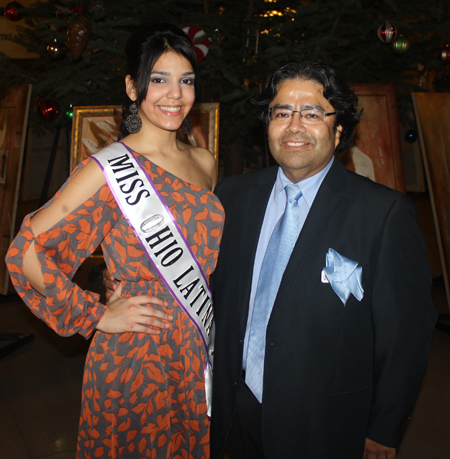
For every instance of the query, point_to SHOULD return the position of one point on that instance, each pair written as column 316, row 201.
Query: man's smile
column 297, row 143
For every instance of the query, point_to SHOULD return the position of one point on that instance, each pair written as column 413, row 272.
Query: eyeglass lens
column 308, row 115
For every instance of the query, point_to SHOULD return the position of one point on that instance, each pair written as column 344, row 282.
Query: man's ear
column 337, row 138
column 130, row 88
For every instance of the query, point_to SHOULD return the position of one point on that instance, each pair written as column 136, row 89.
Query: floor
column 40, row 392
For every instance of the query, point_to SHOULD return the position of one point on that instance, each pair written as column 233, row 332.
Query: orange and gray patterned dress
column 143, row 395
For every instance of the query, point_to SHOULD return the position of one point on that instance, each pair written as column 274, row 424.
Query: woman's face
column 170, row 94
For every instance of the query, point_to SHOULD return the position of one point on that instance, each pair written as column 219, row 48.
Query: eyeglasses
column 308, row 115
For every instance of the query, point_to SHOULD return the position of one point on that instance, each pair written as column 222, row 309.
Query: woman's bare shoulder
column 207, row 162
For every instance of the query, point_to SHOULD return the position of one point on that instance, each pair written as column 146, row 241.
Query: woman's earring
column 186, row 126
column 133, row 121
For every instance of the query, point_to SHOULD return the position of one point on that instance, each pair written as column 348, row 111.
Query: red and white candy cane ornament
column 199, row 41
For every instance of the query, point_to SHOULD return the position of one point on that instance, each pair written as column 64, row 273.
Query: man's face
column 302, row 150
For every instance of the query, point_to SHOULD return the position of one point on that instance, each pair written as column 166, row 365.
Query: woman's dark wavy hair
column 144, row 48
column 338, row 94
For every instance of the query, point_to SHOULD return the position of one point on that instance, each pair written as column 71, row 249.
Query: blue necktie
column 275, row 260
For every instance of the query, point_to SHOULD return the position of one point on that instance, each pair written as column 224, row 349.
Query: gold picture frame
column 96, row 127
column 432, row 114
column 14, row 107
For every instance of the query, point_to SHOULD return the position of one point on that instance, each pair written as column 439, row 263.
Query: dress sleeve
column 66, row 308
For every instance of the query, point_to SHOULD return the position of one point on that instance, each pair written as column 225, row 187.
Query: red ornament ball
column 48, row 110
column 12, row 11
column 387, row 32
column 445, row 55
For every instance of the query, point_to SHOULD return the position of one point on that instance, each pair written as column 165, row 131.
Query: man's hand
column 133, row 314
column 374, row 450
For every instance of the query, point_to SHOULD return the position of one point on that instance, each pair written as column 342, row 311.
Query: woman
column 143, row 388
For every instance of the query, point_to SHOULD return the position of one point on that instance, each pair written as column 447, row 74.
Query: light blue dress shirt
column 274, row 210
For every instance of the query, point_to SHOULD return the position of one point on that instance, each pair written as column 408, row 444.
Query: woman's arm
column 82, row 186
column 72, row 225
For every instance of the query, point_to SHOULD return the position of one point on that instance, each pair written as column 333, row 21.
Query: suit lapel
column 326, row 205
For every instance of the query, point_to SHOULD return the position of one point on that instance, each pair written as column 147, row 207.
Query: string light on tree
column 68, row 114
column 401, row 45
column 387, row 32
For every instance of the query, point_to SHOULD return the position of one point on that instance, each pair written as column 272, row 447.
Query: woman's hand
column 109, row 283
column 133, row 314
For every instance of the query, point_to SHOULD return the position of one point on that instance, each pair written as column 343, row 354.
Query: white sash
column 163, row 241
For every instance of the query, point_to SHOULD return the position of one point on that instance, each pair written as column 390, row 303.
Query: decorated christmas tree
column 79, row 48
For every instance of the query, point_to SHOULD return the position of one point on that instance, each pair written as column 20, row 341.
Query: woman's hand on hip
column 134, row 314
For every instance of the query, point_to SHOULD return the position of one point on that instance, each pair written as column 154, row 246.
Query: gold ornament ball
column 56, row 50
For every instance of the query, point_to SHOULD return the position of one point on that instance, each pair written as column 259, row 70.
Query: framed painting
column 96, row 127
column 432, row 112
column 376, row 152
column 14, row 108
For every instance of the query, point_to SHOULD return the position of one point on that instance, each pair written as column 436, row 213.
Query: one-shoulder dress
column 143, row 395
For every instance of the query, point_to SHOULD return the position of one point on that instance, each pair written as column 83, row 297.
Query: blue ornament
column 411, row 135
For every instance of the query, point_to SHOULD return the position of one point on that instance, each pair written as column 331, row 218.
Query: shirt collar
column 309, row 186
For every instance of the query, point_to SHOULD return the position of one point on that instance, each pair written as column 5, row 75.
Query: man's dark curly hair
column 338, row 94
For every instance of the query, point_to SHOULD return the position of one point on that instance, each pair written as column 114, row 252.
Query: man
column 327, row 362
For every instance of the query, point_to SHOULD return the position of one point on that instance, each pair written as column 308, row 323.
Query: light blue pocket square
column 344, row 276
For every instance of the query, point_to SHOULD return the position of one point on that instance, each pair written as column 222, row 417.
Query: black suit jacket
column 333, row 374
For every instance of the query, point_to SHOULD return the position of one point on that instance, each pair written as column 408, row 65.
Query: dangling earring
column 186, row 126
column 133, row 121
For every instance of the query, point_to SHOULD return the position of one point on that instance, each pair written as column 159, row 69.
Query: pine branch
column 337, row 20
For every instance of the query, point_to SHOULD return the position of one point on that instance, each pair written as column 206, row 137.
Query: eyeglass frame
column 269, row 113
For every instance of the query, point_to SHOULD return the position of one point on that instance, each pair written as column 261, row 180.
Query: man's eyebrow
column 288, row 106
column 316, row 107
column 303, row 107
